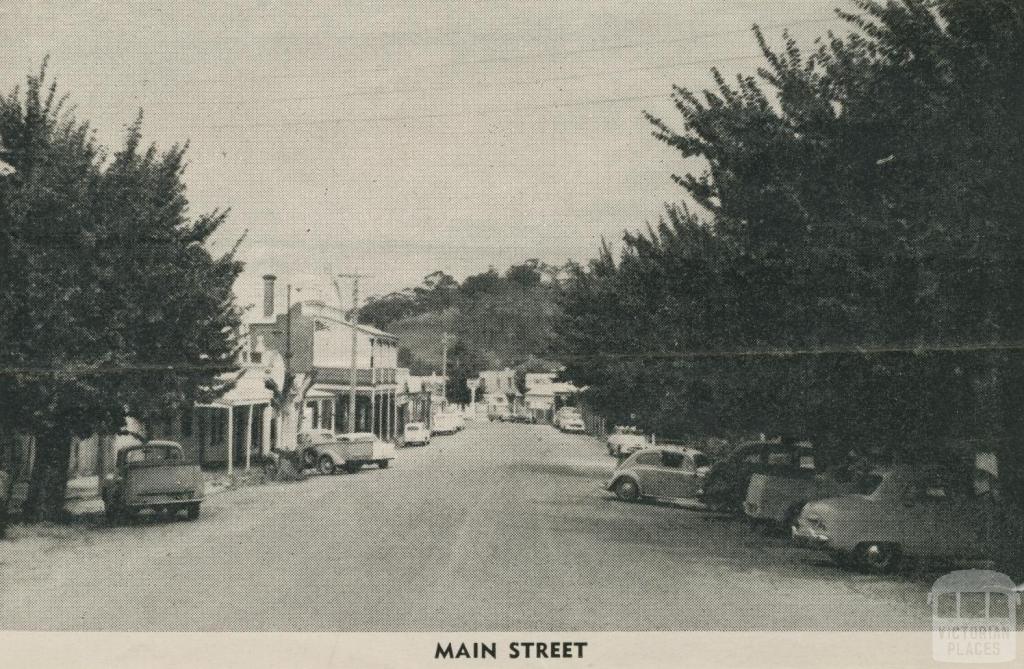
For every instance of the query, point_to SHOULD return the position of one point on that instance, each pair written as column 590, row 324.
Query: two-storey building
column 316, row 339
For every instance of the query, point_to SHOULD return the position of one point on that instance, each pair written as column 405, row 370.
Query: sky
column 398, row 138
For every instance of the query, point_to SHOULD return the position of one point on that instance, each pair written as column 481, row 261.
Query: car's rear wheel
column 353, row 467
column 192, row 511
column 878, row 557
column 383, row 464
column 627, row 490
column 325, row 465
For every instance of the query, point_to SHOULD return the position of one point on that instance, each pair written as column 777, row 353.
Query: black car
column 725, row 486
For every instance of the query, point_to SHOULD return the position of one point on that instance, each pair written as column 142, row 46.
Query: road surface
column 500, row 527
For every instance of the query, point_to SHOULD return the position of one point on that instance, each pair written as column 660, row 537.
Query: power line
column 510, row 58
column 487, row 86
column 497, row 109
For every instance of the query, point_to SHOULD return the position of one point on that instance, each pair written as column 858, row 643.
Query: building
column 498, row 389
column 534, row 379
column 316, row 339
column 419, row 398
column 544, row 399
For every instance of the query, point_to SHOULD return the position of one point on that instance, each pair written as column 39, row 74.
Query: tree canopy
column 847, row 266
column 112, row 304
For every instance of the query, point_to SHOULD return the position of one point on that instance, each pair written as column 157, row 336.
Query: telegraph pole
column 445, row 340
column 354, row 321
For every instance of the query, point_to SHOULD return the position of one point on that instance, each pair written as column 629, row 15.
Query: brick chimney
column 268, row 295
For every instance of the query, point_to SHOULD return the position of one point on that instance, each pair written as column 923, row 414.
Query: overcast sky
column 396, row 138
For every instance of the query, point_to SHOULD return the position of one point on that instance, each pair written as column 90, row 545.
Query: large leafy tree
column 112, row 304
column 852, row 267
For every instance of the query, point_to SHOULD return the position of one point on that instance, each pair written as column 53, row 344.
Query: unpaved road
column 501, row 527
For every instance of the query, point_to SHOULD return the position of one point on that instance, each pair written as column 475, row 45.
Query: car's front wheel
column 878, row 557
column 325, row 465
column 627, row 490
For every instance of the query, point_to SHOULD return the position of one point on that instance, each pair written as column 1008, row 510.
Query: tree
column 113, row 304
column 848, row 270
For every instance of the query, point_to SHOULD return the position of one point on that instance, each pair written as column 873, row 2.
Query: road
column 500, row 527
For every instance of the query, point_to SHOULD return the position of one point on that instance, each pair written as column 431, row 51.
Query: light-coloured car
column 626, row 440
column 922, row 511
column 445, row 423
column 415, row 434
column 351, row 452
column 659, row 473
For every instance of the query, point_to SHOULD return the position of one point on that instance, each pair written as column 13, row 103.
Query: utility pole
column 445, row 340
column 354, row 321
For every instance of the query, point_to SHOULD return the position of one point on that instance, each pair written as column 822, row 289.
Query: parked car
column 445, row 423
column 567, row 415
column 659, row 473
column 626, row 440
column 351, row 452
column 415, row 434
column 927, row 511
column 522, row 417
column 153, row 475
column 725, row 486
column 783, row 483
column 498, row 412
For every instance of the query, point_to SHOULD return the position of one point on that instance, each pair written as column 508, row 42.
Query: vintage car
column 569, row 419
column 783, row 483
column 927, row 511
column 726, row 484
column 659, row 473
column 446, row 423
column 522, row 417
column 415, row 434
column 626, row 440
column 330, row 452
column 153, row 475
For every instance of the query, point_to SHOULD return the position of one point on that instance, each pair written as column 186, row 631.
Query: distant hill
column 493, row 321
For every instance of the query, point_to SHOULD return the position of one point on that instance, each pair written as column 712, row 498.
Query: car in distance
column 625, row 440
column 566, row 415
column 498, row 412
column 415, row 434
column 932, row 512
column 153, row 475
column 445, row 423
column 522, row 417
column 659, row 473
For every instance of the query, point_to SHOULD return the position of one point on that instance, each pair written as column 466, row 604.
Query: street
column 499, row 527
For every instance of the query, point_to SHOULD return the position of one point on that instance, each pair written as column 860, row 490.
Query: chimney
column 268, row 295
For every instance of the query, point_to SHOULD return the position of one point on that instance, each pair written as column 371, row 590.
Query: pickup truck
column 329, row 452
column 153, row 475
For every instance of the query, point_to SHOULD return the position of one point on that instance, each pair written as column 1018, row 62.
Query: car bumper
column 808, row 537
column 162, row 500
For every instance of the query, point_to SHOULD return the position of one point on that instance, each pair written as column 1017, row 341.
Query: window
column 652, row 459
column 672, row 459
